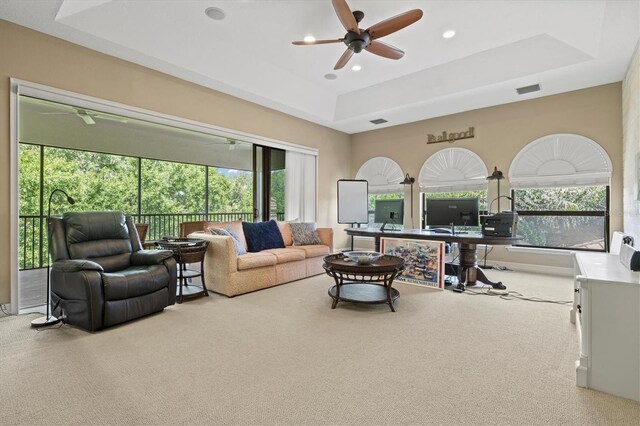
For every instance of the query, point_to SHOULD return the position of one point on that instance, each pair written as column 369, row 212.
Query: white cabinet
column 607, row 314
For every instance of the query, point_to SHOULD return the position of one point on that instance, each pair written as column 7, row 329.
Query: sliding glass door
column 269, row 183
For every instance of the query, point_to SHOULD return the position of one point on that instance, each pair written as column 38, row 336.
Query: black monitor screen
column 456, row 211
column 390, row 211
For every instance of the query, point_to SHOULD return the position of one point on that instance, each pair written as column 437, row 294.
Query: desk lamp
column 50, row 319
column 496, row 175
column 408, row 180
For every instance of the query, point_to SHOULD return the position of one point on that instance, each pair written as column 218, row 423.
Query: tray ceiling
column 499, row 46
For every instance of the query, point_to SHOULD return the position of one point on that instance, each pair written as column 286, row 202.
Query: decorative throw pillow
column 229, row 233
column 304, row 234
column 285, row 230
column 262, row 235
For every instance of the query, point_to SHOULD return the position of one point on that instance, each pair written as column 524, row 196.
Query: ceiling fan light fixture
column 356, row 68
column 448, row 34
column 215, row 13
column 309, row 39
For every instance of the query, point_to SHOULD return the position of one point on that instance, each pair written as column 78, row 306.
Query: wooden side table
column 363, row 283
column 188, row 251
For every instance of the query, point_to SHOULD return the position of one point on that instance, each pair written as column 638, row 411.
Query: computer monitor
column 389, row 211
column 456, row 211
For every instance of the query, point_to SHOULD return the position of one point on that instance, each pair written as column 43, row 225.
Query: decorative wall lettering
column 450, row 137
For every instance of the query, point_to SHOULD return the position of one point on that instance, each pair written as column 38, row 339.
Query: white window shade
column 383, row 175
column 453, row 169
column 560, row 160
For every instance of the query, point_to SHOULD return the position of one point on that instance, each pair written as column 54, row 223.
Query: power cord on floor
column 52, row 327
column 501, row 268
column 512, row 295
column 62, row 317
column 4, row 310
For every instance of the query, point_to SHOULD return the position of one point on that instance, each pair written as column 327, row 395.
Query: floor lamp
column 50, row 319
column 496, row 175
column 408, row 180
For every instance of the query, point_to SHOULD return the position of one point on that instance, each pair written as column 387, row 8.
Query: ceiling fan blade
column 383, row 49
column 86, row 118
column 110, row 118
column 345, row 15
column 302, row 42
column 343, row 59
column 394, row 24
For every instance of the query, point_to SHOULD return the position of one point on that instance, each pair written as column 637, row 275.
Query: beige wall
column 35, row 57
column 631, row 138
column 500, row 133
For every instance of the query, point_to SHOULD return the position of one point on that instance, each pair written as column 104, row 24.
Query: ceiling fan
column 88, row 116
column 358, row 39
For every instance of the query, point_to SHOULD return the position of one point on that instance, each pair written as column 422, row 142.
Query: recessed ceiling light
column 356, row 68
column 309, row 39
column 330, row 76
column 448, row 34
column 215, row 13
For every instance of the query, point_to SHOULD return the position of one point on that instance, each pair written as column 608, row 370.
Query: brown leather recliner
column 101, row 276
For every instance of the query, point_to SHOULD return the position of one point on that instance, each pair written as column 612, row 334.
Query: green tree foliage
column 582, row 198
column 277, row 189
column 169, row 187
column 110, row 182
column 29, row 181
column 95, row 181
column 390, row 196
column 241, row 199
column 480, row 194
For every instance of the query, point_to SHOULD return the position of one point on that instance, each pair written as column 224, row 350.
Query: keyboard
column 440, row 230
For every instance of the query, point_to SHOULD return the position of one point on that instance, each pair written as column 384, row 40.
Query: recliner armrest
column 75, row 265
column 150, row 257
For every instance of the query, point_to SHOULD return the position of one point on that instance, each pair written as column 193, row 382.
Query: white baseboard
column 530, row 267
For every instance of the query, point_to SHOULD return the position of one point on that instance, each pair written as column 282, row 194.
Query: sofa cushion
column 285, row 230
column 256, row 260
column 304, row 234
column 314, row 250
column 262, row 236
column 134, row 281
column 235, row 225
column 284, row 255
column 228, row 232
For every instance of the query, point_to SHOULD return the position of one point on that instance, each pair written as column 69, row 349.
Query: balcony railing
column 33, row 237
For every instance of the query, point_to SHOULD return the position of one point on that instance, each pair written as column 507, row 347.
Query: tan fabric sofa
column 229, row 274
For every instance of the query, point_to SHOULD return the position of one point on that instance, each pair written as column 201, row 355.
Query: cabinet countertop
column 605, row 267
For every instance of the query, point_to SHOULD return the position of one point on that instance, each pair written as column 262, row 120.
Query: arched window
column 453, row 170
column 453, row 173
column 384, row 176
column 560, row 185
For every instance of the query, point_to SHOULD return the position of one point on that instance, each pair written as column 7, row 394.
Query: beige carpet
column 282, row 356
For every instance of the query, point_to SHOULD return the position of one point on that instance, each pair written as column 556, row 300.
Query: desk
column 469, row 272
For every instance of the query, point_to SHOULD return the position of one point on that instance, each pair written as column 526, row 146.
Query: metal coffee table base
column 363, row 293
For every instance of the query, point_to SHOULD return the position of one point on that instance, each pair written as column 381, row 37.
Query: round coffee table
column 363, row 283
